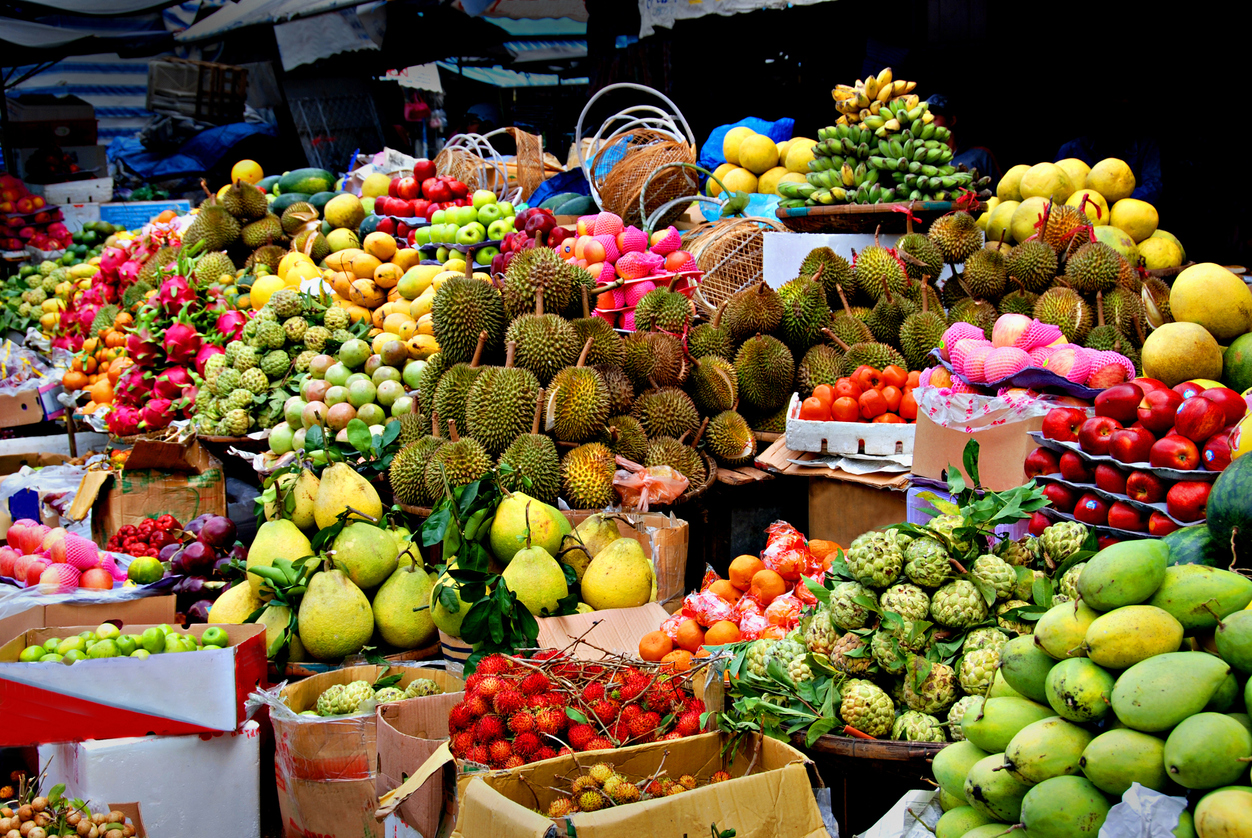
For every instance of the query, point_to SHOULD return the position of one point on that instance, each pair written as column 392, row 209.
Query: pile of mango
column 1140, row 678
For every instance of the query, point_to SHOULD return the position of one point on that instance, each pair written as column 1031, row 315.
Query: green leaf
column 391, row 431
column 359, row 435
column 313, row 438
column 575, row 716
column 970, row 458
column 956, row 482
column 819, row 591
column 468, row 493
column 434, row 528
column 818, row 729
column 1041, row 591
column 941, row 505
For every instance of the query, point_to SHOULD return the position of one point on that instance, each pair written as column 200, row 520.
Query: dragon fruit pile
column 1018, row 343
column 54, row 560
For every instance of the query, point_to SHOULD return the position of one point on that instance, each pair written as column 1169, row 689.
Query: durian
column 606, row 346
column 546, row 343
column 654, row 358
column 984, row 274
column 956, row 235
column 666, row 411
column 667, row 451
column 578, row 401
column 756, row 309
column 729, row 439
column 297, row 216
column 461, row 309
column 625, row 437
column 878, row 270
column 711, row 339
column 429, row 382
column 849, row 322
column 1155, row 296
column 766, row 371
column 714, row 384
column 216, row 227
column 452, row 394
column 1033, row 264
column 263, row 231
column 978, row 312
column 663, row 310
column 499, row 405
column 1019, row 301
column 268, row 255
column 312, row 244
column 621, row 391
column 920, row 333
column 1059, row 226
column 1093, row 267
column 540, row 268
column 805, row 312
column 831, row 270
column 876, row 355
column 587, row 476
column 1064, row 307
column 460, row 461
column 533, row 464
column 407, row 472
column 244, row 201
column 211, row 266
column 820, row 365
column 921, row 257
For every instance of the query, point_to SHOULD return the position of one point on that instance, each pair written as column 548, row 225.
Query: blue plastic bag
column 711, row 155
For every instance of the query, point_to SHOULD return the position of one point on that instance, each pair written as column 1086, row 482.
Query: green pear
column 341, row 489
column 522, row 520
column 368, row 554
column 302, row 487
column 620, row 576
column 335, row 617
column 449, row 622
column 537, row 579
column 400, row 610
column 275, row 540
column 586, row 541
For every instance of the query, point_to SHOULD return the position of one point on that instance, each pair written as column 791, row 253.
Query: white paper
column 1143, row 813
column 861, row 464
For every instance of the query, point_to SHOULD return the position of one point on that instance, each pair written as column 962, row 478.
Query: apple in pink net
column 1093, row 436
column 1123, row 516
column 1131, row 445
column 1185, row 501
column 1041, row 461
column 7, row 557
column 1092, row 509
column 1063, row 423
column 1062, row 498
column 1110, row 479
column 35, row 569
column 1075, row 469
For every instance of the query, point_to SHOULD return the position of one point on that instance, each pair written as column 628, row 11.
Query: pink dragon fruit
column 156, row 414
column 133, row 387
column 141, row 349
column 129, row 271
column 123, row 420
column 111, row 259
column 207, row 351
column 231, row 323
column 171, row 383
column 174, row 293
column 181, row 343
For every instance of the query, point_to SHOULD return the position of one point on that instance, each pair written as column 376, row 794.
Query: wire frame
column 473, row 160
column 730, row 252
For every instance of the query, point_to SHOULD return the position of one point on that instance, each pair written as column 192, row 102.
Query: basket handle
column 480, row 146
column 661, row 123
column 657, row 214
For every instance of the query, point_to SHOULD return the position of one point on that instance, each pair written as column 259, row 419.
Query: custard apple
column 239, row 399
column 820, row 633
column 302, row 361
column 1026, row 577
column 419, row 687
column 957, row 713
column 315, row 337
column 995, row 572
column 852, row 655
column 248, row 333
column 353, row 695
column 213, row 367
column 245, row 358
column 958, row 604
column 1069, row 581
column 791, row 652
column 255, row 381
column 978, row 670
column 874, row 559
column 891, row 649
column 1018, row 627
column 237, row 422
column 328, row 701
column 266, row 312
column 1020, row 553
column 909, row 601
column 285, row 303
column 912, row 726
column 1062, row 540
column 205, row 425
column 335, row 318
column 946, row 525
column 983, row 638
column 295, row 327
column 388, row 694
column 758, row 656
column 341, row 335
column 270, row 334
column 845, row 613
column 926, row 563
column 863, row 705
column 275, row 363
column 937, row 690
column 228, row 381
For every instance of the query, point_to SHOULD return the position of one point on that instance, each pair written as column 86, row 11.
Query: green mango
column 956, row 822
column 1158, row 693
column 990, row 830
column 1243, row 719
column 1200, row 597
column 1122, row 638
column 1046, row 749
column 1000, row 688
column 1064, row 807
column 1079, row 690
column 1122, row 574
column 1062, row 629
column 1234, row 640
column 952, row 764
column 993, row 792
column 994, row 723
column 1025, row 667
column 948, row 802
column 1114, row 760
column 1207, row 750
column 1224, row 813
column 1227, row 696
column 1186, row 825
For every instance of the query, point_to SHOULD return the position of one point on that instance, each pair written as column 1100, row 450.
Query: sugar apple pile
column 348, row 699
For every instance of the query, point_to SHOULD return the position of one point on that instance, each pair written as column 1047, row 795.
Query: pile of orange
column 97, row 368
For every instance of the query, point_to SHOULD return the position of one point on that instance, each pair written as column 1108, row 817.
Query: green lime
column 145, row 570
column 108, row 631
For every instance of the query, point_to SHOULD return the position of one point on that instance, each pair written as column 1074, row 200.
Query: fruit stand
column 469, row 508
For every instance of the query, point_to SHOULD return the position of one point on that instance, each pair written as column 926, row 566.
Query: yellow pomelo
column 720, row 172
column 799, row 153
column 1161, row 234
column 1010, row 186
column 375, row 185
column 1178, row 352
column 1213, row 297
column 1076, row 169
column 1025, row 217
column 768, row 182
column 246, row 170
column 1001, row 219
column 793, row 177
column 758, row 154
column 1096, row 208
column 1112, row 178
column 264, row 288
column 782, row 149
column 295, row 275
column 1159, row 253
column 740, row 179
column 982, row 219
column 731, row 142
column 1046, row 180
column 1119, row 240
column 1137, row 218
column 293, row 258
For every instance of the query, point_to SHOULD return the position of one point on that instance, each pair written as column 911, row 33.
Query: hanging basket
column 729, row 252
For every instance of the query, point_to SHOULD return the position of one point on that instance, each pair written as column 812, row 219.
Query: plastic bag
column 58, row 485
column 16, row 600
column 1143, row 813
column 969, row 412
column 22, row 369
column 784, row 611
column 658, row 484
column 707, row 608
column 786, row 552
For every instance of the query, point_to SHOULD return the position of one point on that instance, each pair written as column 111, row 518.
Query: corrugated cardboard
column 325, row 768
column 193, row 692
column 12, row 463
column 778, row 456
column 1001, row 457
column 664, row 539
column 774, row 800
column 408, row 733
column 152, row 610
column 131, row 810
column 840, row 510
column 616, row 630
column 22, row 408
column 160, row 477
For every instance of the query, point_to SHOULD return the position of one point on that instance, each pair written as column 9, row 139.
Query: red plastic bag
column 802, row 591
column 655, row 485
column 671, row 624
column 784, row 611
column 786, row 552
column 710, row 576
column 706, row 608
column 751, row 625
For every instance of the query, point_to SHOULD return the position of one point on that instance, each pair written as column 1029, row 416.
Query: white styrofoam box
column 879, row 439
column 76, row 216
column 172, row 777
column 782, row 253
column 96, row 190
column 395, row 827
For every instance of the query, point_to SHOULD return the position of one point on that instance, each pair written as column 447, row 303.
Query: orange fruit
column 655, row 645
column 703, row 653
column 73, row 380
column 725, row 590
column 102, row 391
column 690, row 635
column 773, row 633
column 124, row 318
column 679, row 660
column 767, row 585
column 742, row 569
column 723, row 631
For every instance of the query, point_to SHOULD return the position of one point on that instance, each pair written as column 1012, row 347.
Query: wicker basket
column 529, row 162
column 729, row 252
column 471, row 159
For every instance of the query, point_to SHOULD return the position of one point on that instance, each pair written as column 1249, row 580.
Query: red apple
column 1174, row 452
column 423, row 169
column 1121, row 402
column 1216, row 452
column 1061, row 497
column 1075, row 469
column 1157, row 409
column 1229, row 401
column 1123, row 516
column 1093, row 436
column 391, row 190
column 1185, row 500
column 1145, row 487
column 1110, row 479
column 387, row 225
column 1041, row 461
column 1105, row 541
column 1038, row 523
column 1063, row 423
column 1160, row 524
column 408, row 188
column 1189, row 389
column 1092, row 509
column 417, row 207
column 1199, row 418
column 1147, row 385
column 1131, row 445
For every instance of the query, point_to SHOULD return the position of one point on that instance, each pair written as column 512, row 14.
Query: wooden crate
column 199, row 89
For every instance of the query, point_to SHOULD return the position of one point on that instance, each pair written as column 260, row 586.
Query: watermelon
column 368, row 225
column 309, row 181
column 268, row 183
column 1195, row 545
column 321, row 199
column 1237, row 364
column 1229, row 509
column 285, row 200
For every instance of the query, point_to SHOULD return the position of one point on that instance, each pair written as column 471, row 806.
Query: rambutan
column 547, row 752
column 580, row 735
column 521, row 722
column 560, row 807
column 631, row 712
column 606, row 710
column 687, row 781
column 461, row 716
column 478, row 754
column 526, row 744
column 693, row 704
column 593, row 693
column 688, row 723
column 550, row 721
column 601, row 772
column 583, row 782
column 619, row 732
column 565, row 751
column 489, row 728
column 490, row 685
column 472, row 682
column 500, row 750
column 660, row 698
column 508, row 701
column 535, row 683
column 534, row 702
column 494, row 665
column 673, row 734
column 461, row 744
column 600, row 743
column 477, row 705
column 514, row 762
column 655, row 788
column 719, row 777
column 556, row 699
column 644, row 725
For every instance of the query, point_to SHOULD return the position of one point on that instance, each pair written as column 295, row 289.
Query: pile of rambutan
column 518, row 710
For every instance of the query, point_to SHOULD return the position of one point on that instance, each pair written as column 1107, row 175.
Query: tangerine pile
column 97, row 368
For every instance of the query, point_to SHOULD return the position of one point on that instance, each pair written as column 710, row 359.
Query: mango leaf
column 818, row 729
column 391, row 431
column 970, row 458
column 820, row 591
column 940, row 505
column 314, row 439
column 1041, row 592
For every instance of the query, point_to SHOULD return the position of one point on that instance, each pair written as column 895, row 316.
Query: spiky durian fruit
column 244, row 201
column 729, row 439
column 435, row 367
column 653, row 358
column 766, row 370
column 541, row 268
column 578, row 401
column 769, row 421
column 920, row 333
column 407, row 472
column 831, row 270
column 878, row 270
column 1033, row 264
column 886, row 318
column 714, row 384
column 452, row 394
column 269, row 255
column 625, row 437
column 1124, row 309
column 265, row 230
column 978, row 312
column 413, row 426
column 667, row 451
column 621, row 391
column 297, row 216
column 1128, row 277
column 921, row 257
column 606, row 344
column 461, row 310
column 1065, row 308
column 1061, row 223
column 312, row 243
column 460, row 461
column 820, row 365
column 956, row 235
column 500, row 405
column 546, row 343
column 587, row 476
column 663, row 310
column 150, row 272
column 805, row 312
column 533, row 465
column 666, row 411
column 213, row 225
column 711, row 339
column 1155, row 297
column 212, row 266
column 1093, row 267
column 756, row 309
column 984, row 275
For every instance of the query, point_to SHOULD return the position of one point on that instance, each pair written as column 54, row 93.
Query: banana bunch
column 867, row 97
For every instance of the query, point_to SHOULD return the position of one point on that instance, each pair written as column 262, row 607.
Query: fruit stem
column 847, row 309
column 877, row 230
column 582, row 358
column 1099, row 308
column 469, row 264
column 586, row 302
column 527, row 525
column 539, row 300
column 478, row 350
column 832, row 336
column 534, row 426
column 434, row 424
column 925, row 288
column 509, row 352
column 452, row 434
column 700, row 432
column 717, row 316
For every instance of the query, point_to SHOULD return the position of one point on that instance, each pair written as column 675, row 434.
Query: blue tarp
column 571, row 181
column 711, row 152
column 199, row 154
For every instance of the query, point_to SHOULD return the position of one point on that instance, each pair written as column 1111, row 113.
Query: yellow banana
column 892, row 125
column 884, row 76
column 908, row 86
column 842, row 120
column 928, row 118
column 884, row 92
column 848, row 175
column 874, row 107
column 871, row 87
column 843, row 93
column 897, row 87
column 853, row 117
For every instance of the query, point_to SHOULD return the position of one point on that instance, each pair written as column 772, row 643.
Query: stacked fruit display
column 33, row 815
column 417, row 196
column 538, row 229
column 28, row 220
column 362, row 696
column 107, row 641
column 755, row 163
column 868, row 395
column 518, row 711
column 1145, row 462
column 602, row 787
column 54, row 561
column 482, row 219
column 1136, row 681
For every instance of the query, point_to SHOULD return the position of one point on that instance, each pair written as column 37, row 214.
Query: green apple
column 141, row 654
column 153, row 640
column 75, row 643
column 87, row 635
column 51, row 657
column 175, row 643
column 498, row 229
column 126, row 644
column 213, row 635
column 442, row 254
column 402, row 406
column 484, row 255
column 72, row 656
column 507, row 208
column 469, row 235
column 490, row 213
column 167, row 628
column 438, row 216
column 103, row 649
column 465, row 215
column 355, row 377
column 482, row 197
column 412, row 374
column 108, row 631
column 52, row 643
column 31, row 654
column 421, row 236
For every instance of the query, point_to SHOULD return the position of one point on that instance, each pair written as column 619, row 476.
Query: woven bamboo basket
column 729, row 252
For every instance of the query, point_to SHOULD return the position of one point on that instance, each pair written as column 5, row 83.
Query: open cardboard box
column 184, row 480
column 615, row 630
column 409, row 732
column 325, row 767
column 193, row 692
column 664, row 539
column 1001, row 456
column 152, row 610
column 769, row 794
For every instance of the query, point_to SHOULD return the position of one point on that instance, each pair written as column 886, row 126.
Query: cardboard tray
column 1173, row 474
column 1112, row 497
column 1101, row 529
column 866, row 218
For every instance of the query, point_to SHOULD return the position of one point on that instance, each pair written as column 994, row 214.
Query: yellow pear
column 521, row 520
column 368, row 554
column 398, row 611
column 302, row 487
column 234, row 605
column 537, row 579
column 587, row 541
column 342, row 488
column 619, row 577
column 335, row 617
column 279, row 539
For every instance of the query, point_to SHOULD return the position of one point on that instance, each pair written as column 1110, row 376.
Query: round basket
column 422, row 512
column 730, row 254
column 455, row 651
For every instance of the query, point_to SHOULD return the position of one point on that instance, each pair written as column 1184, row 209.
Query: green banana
column 929, row 130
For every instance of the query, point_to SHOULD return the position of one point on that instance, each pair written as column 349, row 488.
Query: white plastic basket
column 881, row 439
column 95, row 191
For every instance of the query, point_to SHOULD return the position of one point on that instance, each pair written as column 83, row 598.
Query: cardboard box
column 840, row 510
column 409, row 732
column 41, row 119
column 184, row 480
column 105, row 769
column 617, row 630
column 1001, row 457
column 769, row 796
column 664, row 539
column 22, row 408
column 325, row 768
column 195, row 692
column 152, row 610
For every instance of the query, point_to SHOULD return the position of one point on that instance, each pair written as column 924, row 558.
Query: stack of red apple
column 54, row 560
column 28, row 219
column 417, row 196
column 1147, row 445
